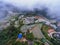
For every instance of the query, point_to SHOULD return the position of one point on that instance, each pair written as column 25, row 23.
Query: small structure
column 58, row 29
column 23, row 40
column 54, row 26
column 28, row 20
column 43, row 40
column 41, row 20
column 29, row 31
column 37, row 17
column 51, row 30
column 8, row 24
column 21, row 16
column 20, row 36
column 56, row 35
column 25, row 28
column 53, row 34
column 47, row 23
column 16, row 24
column 13, row 19
column 36, row 21
column 52, row 21
column 58, row 24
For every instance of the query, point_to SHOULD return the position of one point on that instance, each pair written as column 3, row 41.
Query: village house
column 50, row 32
column 54, row 26
column 16, row 23
column 13, row 19
column 21, row 38
column 39, row 19
column 52, row 21
column 28, row 20
column 56, row 35
column 21, row 16
column 42, row 19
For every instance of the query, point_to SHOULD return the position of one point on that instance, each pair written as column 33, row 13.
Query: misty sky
column 53, row 5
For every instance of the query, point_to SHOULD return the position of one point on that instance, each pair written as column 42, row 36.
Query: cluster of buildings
column 53, row 34
column 38, row 19
column 33, row 20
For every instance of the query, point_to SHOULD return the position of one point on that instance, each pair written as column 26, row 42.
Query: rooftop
column 56, row 35
column 51, row 30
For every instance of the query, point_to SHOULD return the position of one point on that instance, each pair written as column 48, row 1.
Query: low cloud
column 52, row 5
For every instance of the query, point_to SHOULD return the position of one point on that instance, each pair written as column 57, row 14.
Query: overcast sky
column 53, row 5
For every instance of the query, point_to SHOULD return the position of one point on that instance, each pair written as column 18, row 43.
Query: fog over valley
column 53, row 7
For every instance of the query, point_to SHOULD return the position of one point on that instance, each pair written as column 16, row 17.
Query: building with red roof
column 51, row 30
